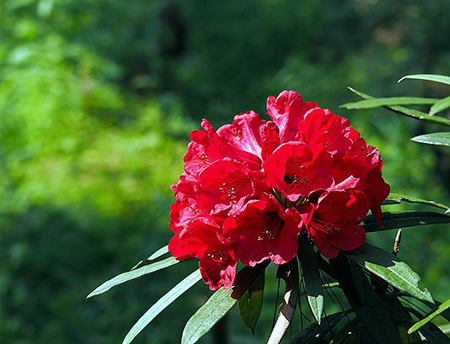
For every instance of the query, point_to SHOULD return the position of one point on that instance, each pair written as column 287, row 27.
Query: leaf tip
column 91, row 294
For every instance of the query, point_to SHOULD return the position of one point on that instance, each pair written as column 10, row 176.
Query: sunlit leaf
column 390, row 268
column 392, row 220
column 162, row 304
column 432, row 333
column 416, row 114
column 440, row 139
column 433, row 306
column 250, row 304
column 378, row 102
column 219, row 304
column 439, row 106
column 428, row 77
column 311, row 274
column 130, row 275
column 395, row 198
column 159, row 253
column 444, row 306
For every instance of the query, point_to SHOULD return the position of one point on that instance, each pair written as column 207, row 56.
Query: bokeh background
column 97, row 99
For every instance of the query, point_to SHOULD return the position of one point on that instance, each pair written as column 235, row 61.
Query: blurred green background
column 97, row 99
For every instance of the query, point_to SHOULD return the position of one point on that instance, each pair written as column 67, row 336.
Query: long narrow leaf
column 378, row 102
column 408, row 112
column 441, row 309
column 311, row 274
column 440, row 139
column 395, row 198
column 162, row 304
column 404, row 219
column 219, row 304
column 130, row 275
column 390, row 268
column 159, row 253
column 442, row 79
column 432, row 333
column 433, row 306
column 439, row 106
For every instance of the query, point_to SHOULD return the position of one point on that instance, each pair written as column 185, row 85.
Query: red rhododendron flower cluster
column 249, row 188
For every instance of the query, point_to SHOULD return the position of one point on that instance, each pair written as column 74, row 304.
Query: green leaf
column 311, row 274
column 314, row 333
column 433, row 306
column 395, row 198
column 441, row 309
column 430, row 331
column 404, row 219
column 369, row 308
column 219, row 304
column 378, row 102
column 408, row 112
column 130, row 275
column 428, row 77
column 439, row 106
column 162, row 304
column 440, row 139
column 390, row 268
column 250, row 304
column 159, row 253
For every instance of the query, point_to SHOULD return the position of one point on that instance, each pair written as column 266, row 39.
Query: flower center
column 328, row 227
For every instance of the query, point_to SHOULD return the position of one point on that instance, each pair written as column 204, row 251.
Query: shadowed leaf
column 311, row 274
column 314, row 333
column 370, row 310
column 404, row 219
column 250, row 304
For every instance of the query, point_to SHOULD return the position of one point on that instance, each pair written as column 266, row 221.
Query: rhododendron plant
column 295, row 190
column 250, row 188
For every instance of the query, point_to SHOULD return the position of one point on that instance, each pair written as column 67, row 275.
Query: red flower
column 334, row 224
column 264, row 230
column 287, row 110
column 202, row 239
column 250, row 187
column 297, row 170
